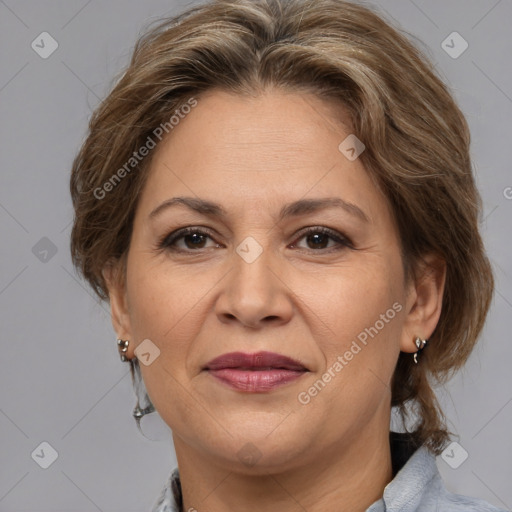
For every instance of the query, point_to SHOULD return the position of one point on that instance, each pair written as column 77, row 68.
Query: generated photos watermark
column 145, row 149
column 305, row 397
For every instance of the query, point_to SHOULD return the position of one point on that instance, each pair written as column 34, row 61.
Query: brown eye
column 193, row 238
column 317, row 238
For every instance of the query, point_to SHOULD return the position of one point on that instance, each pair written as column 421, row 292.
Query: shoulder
column 170, row 496
column 419, row 487
column 437, row 497
column 450, row 502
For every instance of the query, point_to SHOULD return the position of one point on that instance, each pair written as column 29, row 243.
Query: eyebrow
column 300, row 207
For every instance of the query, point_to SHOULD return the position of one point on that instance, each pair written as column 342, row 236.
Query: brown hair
column 417, row 149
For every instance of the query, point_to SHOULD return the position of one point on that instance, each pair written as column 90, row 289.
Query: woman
column 277, row 200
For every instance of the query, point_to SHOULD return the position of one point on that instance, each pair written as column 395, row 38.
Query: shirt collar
column 413, row 468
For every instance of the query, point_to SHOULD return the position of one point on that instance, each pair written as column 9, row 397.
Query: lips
column 255, row 373
column 255, row 362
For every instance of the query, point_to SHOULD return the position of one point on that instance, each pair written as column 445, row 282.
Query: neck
column 348, row 477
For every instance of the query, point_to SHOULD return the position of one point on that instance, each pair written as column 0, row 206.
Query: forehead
column 260, row 152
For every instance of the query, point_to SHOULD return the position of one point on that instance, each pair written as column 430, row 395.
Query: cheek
column 358, row 301
column 365, row 312
column 361, row 352
column 162, row 310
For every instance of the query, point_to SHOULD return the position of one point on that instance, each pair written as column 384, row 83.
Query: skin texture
column 301, row 297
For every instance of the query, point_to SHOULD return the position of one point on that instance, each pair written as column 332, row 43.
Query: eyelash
column 167, row 241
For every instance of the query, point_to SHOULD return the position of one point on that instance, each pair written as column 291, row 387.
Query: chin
column 257, row 452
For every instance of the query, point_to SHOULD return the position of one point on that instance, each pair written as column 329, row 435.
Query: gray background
column 61, row 379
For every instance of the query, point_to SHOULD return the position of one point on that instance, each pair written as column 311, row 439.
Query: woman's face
column 253, row 280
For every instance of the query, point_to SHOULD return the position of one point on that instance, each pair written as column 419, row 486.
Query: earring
column 122, row 346
column 421, row 345
column 143, row 405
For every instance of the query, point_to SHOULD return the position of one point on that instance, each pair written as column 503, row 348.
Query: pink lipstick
column 255, row 373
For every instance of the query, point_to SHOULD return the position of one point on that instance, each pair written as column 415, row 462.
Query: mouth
column 258, row 372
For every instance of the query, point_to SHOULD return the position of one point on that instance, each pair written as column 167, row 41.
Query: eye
column 318, row 238
column 195, row 238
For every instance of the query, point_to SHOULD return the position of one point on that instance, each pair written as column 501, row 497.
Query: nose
column 255, row 293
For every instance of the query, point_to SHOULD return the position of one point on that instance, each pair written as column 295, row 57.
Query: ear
column 115, row 279
column 424, row 301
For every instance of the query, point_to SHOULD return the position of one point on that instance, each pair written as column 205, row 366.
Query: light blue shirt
column 416, row 487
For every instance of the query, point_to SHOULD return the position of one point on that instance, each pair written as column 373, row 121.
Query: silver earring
column 151, row 426
column 144, row 405
column 122, row 345
column 420, row 344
